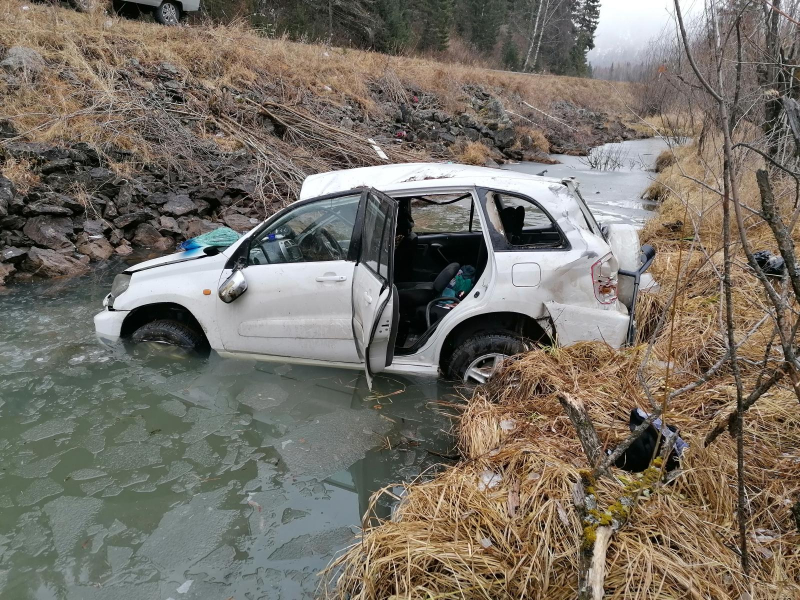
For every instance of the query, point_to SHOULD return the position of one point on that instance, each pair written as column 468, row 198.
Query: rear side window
column 523, row 224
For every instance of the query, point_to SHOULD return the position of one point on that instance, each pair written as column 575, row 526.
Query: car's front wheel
column 169, row 13
column 479, row 357
column 172, row 333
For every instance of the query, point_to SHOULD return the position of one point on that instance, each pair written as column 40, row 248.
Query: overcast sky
column 627, row 25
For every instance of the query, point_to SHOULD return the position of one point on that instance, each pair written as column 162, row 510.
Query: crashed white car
column 416, row 268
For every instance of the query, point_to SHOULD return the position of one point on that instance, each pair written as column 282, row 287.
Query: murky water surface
column 615, row 196
column 142, row 475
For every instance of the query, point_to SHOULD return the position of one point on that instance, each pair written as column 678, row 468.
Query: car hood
column 177, row 257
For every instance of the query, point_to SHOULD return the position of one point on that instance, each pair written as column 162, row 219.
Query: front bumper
column 108, row 324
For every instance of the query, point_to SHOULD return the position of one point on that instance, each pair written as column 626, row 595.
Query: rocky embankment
column 65, row 205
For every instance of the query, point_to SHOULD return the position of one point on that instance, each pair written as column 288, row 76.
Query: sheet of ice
column 48, row 429
column 188, row 532
column 331, row 442
column 69, row 517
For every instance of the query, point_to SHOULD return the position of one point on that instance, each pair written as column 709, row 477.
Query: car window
column 524, row 224
column 444, row 213
column 377, row 238
column 314, row 232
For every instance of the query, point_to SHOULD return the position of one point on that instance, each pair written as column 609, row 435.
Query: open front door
column 375, row 300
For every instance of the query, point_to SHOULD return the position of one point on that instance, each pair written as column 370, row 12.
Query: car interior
column 439, row 240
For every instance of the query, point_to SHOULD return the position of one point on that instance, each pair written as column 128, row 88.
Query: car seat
column 416, row 295
column 513, row 218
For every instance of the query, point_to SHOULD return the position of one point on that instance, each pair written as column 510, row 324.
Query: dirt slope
column 118, row 133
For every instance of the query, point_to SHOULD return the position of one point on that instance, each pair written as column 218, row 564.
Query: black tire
column 173, row 333
column 482, row 345
column 169, row 13
column 128, row 10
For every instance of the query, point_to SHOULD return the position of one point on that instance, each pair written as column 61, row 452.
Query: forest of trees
column 523, row 35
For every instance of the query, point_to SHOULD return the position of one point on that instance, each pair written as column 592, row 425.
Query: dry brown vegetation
column 502, row 523
column 80, row 97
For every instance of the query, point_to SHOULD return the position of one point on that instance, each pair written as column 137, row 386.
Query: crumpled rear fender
column 575, row 324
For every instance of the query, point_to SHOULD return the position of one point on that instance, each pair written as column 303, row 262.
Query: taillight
column 604, row 279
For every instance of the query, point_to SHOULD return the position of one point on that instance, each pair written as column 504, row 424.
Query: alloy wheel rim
column 170, row 13
column 482, row 368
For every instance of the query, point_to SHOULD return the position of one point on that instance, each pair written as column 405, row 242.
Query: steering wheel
column 336, row 251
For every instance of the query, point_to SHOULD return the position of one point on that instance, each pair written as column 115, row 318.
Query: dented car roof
column 397, row 177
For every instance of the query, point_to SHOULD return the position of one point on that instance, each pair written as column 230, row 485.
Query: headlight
column 121, row 283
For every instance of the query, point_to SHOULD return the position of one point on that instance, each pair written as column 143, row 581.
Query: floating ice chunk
column 188, row 532
column 48, row 429
column 130, row 456
column 184, row 587
column 37, row 491
column 69, row 518
column 84, row 474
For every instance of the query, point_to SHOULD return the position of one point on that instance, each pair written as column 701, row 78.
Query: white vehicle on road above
column 421, row 268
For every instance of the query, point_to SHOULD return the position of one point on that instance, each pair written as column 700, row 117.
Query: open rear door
column 375, row 300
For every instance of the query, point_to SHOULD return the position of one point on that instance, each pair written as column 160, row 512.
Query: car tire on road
column 475, row 360
column 169, row 13
column 173, row 333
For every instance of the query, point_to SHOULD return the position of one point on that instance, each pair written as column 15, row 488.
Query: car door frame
column 379, row 320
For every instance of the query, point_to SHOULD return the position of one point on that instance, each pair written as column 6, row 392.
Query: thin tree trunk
column 533, row 38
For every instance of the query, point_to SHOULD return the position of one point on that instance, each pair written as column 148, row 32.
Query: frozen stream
column 125, row 477
column 614, row 196
column 143, row 475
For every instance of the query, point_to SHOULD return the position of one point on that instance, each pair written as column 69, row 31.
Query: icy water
column 137, row 474
column 614, row 196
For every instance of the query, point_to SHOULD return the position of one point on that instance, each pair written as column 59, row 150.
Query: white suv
column 350, row 276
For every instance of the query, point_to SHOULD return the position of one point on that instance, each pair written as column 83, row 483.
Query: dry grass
column 474, row 153
column 76, row 98
column 454, row 537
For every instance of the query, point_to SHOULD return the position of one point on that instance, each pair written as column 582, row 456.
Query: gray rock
column 6, row 269
column 58, row 165
column 12, row 222
column 168, row 225
column 46, row 208
column 110, row 211
column 131, row 219
column 238, row 222
column 471, row 134
column 503, row 138
column 23, row 61
column 50, row 232
column 13, row 255
column 446, row 137
column 36, row 151
column 96, row 226
column 7, row 194
column 149, row 237
column 7, row 129
column 157, row 199
column 97, row 249
column 49, row 263
column 193, row 226
column 179, row 206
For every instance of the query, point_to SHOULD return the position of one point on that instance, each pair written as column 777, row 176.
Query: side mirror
column 233, row 287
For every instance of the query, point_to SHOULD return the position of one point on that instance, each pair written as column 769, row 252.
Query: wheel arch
column 518, row 323
column 147, row 313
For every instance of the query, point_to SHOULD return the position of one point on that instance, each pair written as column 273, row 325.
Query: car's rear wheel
column 169, row 13
column 479, row 357
column 172, row 333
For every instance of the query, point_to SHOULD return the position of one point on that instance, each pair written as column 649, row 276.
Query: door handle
column 323, row 278
column 368, row 298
